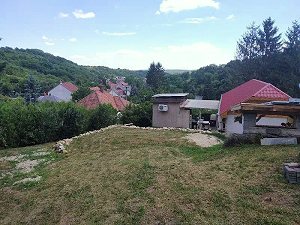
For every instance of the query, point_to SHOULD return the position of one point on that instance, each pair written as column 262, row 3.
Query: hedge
column 24, row 124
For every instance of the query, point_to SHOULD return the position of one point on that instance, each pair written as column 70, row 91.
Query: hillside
column 17, row 64
column 137, row 176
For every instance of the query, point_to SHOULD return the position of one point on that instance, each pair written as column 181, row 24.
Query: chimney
column 101, row 87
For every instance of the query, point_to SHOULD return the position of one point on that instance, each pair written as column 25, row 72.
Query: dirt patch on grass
column 29, row 179
column 203, row 140
column 28, row 165
column 12, row 158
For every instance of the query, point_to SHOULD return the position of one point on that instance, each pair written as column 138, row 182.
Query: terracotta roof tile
column 96, row 98
column 95, row 88
column 252, row 88
column 71, row 87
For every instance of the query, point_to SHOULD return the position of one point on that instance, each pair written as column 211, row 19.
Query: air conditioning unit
column 163, row 108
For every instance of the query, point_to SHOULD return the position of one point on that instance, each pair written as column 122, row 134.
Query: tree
column 80, row 93
column 32, row 90
column 247, row 46
column 269, row 39
column 103, row 116
column 155, row 75
column 139, row 114
column 293, row 35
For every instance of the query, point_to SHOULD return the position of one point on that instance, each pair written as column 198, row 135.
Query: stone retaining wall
column 60, row 146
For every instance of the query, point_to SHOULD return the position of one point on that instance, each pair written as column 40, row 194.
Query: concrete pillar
column 297, row 122
column 249, row 120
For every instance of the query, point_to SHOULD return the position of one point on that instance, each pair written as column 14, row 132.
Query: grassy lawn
column 130, row 176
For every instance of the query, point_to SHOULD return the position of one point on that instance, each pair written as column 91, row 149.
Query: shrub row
column 237, row 140
column 24, row 124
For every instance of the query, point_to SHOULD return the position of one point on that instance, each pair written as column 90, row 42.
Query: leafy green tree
column 31, row 90
column 139, row 114
column 269, row 39
column 155, row 75
column 293, row 36
column 248, row 46
column 81, row 93
column 102, row 116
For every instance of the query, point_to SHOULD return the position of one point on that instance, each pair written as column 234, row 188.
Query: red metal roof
column 96, row 98
column 251, row 89
column 71, row 87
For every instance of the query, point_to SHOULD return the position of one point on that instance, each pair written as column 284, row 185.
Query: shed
column 167, row 111
column 252, row 113
column 252, row 91
column 174, row 109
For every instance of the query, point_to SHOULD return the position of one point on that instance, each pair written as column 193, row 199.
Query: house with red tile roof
column 253, row 91
column 98, row 97
column 63, row 91
column 120, row 88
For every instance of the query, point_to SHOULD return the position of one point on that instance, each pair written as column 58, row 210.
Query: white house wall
column 62, row 93
column 232, row 127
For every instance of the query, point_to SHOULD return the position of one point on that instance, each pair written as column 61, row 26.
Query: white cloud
column 230, row 17
column 188, row 56
column 79, row 14
column 44, row 38
column 63, row 15
column 73, row 39
column 118, row 33
column 198, row 20
column 181, row 5
column 47, row 41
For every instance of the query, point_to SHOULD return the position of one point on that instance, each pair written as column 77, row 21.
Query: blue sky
column 181, row 34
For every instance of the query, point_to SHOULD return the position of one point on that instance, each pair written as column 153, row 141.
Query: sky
column 180, row 34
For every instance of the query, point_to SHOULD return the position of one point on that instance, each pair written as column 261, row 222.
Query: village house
column 62, row 92
column 120, row 88
column 100, row 96
column 253, row 92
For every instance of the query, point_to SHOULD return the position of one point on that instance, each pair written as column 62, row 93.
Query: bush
column 102, row 116
column 28, row 124
column 236, row 140
column 139, row 115
column 81, row 93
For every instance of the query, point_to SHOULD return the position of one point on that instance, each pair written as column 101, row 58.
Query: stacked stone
column 291, row 172
column 60, row 146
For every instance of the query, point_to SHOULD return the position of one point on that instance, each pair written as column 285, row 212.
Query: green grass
column 130, row 176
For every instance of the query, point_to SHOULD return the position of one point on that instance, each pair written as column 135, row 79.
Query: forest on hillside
column 17, row 65
column 262, row 53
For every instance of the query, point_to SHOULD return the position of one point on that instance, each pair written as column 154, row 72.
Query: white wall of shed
column 232, row 127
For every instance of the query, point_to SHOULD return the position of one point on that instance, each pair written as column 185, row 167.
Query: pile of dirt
column 203, row 140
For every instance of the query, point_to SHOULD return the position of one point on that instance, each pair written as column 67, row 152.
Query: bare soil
column 203, row 140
